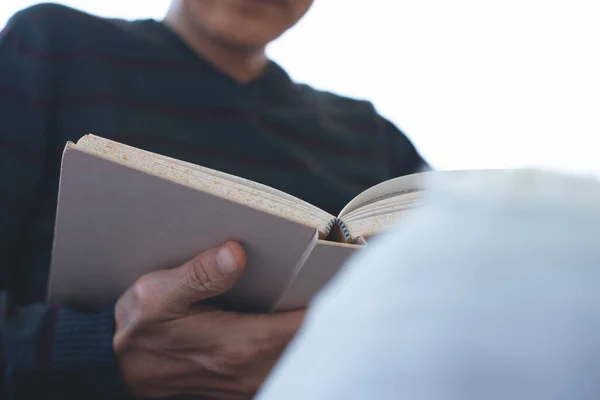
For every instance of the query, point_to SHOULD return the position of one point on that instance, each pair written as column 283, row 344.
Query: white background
column 474, row 83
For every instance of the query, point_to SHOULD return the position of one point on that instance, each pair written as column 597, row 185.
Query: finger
column 210, row 274
column 284, row 324
column 283, row 328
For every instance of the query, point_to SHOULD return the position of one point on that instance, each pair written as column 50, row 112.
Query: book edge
column 71, row 147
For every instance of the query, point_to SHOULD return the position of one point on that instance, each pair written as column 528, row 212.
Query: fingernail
column 226, row 261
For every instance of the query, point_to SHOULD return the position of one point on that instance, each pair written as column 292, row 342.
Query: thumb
column 210, row 274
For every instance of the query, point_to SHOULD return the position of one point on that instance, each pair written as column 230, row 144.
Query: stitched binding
column 341, row 224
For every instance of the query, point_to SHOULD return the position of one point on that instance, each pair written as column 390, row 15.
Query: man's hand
column 168, row 344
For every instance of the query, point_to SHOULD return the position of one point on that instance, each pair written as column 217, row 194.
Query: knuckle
column 143, row 293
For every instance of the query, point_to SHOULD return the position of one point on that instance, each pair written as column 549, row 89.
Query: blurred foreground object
column 488, row 292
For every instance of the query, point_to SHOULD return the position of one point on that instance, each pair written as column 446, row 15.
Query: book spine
column 296, row 271
column 344, row 228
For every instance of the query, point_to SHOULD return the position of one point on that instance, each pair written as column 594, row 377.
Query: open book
column 123, row 212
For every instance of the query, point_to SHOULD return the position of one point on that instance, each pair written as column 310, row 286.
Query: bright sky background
column 473, row 83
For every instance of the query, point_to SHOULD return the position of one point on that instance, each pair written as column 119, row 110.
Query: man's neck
column 241, row 64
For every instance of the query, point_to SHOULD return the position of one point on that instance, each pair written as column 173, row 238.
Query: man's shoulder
column 53, row 21
column 49, row 11
column 55, row 27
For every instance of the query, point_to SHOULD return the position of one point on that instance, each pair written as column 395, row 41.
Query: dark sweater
column 63, row 74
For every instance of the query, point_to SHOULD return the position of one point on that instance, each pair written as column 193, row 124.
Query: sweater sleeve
column 46, row 350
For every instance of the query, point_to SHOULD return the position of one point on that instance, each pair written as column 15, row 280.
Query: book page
column 95, row 142
column 378, row 208
column 222, row 184
column 384, row 190
column 397, row 187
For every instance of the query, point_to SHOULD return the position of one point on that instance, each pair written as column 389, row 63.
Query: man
column 198, row 87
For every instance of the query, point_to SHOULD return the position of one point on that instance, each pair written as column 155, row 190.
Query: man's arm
column 45, row 349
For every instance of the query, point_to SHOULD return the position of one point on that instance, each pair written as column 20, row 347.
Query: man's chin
column 250, row 37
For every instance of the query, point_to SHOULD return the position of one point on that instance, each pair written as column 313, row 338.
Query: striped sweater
column 64, row 73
